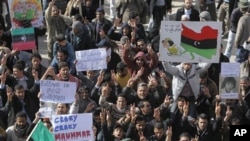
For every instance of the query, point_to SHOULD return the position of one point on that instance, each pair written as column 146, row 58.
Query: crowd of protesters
column 138, row 97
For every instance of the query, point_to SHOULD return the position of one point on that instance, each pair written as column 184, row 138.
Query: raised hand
column 103, row 116
column 185, row 108
column 114, row 77
column 169, row 131
column 9, row 93
column 3, row 77
column 152, row 82
column 157, row 114
column 90, row 107
column 167, row 100
column 217, row 110
column 130, row 82
column 142, row 137
column 100, row 78
column 35, row 74
column 140, row 72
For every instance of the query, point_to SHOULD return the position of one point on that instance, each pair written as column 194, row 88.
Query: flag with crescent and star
column 195, row 42
column 190, row 42
column 23, row 39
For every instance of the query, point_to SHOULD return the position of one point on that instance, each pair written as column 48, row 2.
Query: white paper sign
column 230, row 69
column 229, row 96
column 57, row 91
column 93, row 59
column 46, row 112
column 191, row 42
column 75, row 127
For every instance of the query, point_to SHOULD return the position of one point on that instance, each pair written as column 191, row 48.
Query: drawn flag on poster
column 25, row 11
column 190, row 42
column 23, row 39
column 197, row 42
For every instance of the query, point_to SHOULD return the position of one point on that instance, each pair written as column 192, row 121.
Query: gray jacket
column 180, row 79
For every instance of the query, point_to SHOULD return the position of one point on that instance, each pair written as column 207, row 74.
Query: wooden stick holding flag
column 40, row 133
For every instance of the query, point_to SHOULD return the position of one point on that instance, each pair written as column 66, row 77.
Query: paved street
column 176, row 4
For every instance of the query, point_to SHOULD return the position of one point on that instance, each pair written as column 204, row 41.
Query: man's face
column 20, row 93
column 146, row 109
column 203, row 81
column 90, row 74
column 106, row 90
column 188, row 4
column 99, row 16
column 75, row 30
column 61, row 56
column 184, row 139
column 243, row 84
column 122, row 72
column 55, row 11
column 88, row 3
column 180, row 104
column 142, row 45
column 202, row 123
column 120, row 102
column 118, row 133
column 84, row 94
column 62, row 43
column 61, row 109
column 158, row 133
column 125, row 31
column 17, row 73
column 186, row 66
column 140, row 126
column 35, row 62
column 21, row 122
column 64, row 71
column 142, row 92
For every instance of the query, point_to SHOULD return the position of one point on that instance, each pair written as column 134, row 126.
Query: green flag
column 41, row 133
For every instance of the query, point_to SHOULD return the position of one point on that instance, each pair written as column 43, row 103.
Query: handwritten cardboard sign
column 75, row 127
column 57, row 91
column 93, row 59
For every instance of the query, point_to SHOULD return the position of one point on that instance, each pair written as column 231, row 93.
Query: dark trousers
column 158, row 13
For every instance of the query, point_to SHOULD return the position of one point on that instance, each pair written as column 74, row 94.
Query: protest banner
column 190, row 42
column 229, row 81
column 75, row 127
column 24, row 11
column 93, row 59
column 40, row 133
column 23, row 39
column 57, row 91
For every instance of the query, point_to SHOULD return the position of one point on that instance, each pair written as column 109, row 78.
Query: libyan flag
column 203, row 43
column 23, row 39
column 40, row 133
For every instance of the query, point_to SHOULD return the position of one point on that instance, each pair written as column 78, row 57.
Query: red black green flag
column 23, row 38
column 203, row 43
